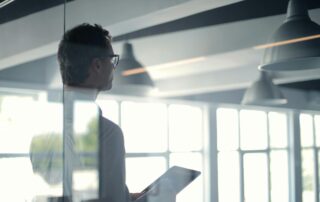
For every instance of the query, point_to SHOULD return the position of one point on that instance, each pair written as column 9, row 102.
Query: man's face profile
column 105, row 68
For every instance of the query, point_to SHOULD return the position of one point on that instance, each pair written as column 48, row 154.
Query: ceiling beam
column 37, row 35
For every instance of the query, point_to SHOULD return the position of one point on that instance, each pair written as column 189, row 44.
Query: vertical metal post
column 68, row 153
column 167, row 155
column 241, row 164
column 100, row 164
column 213, row 154
column 295, row 157
column 316, row 162
column 67, row 133
column 268, row 157
column 241, row 172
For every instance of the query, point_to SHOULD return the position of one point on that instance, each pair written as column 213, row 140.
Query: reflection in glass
column 278, row 130
column 15, row 120
column 227, row 129
column 144, row 123
column 255, row 177
column 279, row 176
column 46, row 144
column 228, row 176
column 194, row 191
column 16, row 175
column 308, row 175
column 185, row 128
column 86, row 133
column 253, row 130
column 142, row 171
column 306, row 130
column 32, row 129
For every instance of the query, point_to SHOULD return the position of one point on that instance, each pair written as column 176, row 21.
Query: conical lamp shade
column 264, row 92
column 298, row 52
column 128, row 62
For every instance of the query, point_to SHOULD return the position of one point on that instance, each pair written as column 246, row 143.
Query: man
column 87, row 64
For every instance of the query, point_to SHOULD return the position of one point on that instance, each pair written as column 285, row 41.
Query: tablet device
column 176, row 178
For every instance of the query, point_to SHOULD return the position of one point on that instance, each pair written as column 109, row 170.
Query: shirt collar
column 81, row 94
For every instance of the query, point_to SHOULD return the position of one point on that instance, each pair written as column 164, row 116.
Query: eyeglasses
column 114, row 59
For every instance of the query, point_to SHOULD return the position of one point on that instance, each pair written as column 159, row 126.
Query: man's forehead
column 109, row 48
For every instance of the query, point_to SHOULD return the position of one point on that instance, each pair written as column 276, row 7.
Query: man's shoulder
column 111, row 132
column 108, row 125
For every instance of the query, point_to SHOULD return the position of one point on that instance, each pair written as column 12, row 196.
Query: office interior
column 215, row 99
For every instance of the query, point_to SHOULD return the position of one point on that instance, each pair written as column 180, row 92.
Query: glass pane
column 142, row 171
column 253, row 130
column 16, row 175
column 38, row 127
column 317, row 128
column 46, row 148
column 86, row 134
column 318, row 167
column 110, row 109
column 308, row 175
column 228, row 129
column 194, row 191
column 279, row 176
column 85, row 184
column 255, row 178
column 28, row 160
column 306, row 130
column 278, row 130
column 85, row 116
column 228, row 175
column 185, row 128
column 144, row 122
column 16, row 120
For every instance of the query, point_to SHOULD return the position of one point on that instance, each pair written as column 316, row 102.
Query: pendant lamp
column 127, row 63
column 296, row 43
column 264, row 92
column 3, row 3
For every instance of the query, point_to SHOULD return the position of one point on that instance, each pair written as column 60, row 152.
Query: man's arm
column 112, row 163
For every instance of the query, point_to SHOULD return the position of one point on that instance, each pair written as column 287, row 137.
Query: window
column 158, row 136
column 252, row 155
column 25, row 122
column 310, row 153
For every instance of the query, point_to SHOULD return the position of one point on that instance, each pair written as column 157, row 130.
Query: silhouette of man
column 87, row 63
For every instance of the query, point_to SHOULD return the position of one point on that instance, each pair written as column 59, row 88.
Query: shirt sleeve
column 112, row 163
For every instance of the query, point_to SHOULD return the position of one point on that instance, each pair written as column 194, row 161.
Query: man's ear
column 95, row 65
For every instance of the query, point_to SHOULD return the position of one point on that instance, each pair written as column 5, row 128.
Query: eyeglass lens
column 114, row 60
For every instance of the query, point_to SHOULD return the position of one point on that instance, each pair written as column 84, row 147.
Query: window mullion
column 242, row 199
column 167, row 155
column 315, row 157
column 295, row 157
column 213, row 153
column 241, row 153
column 268, row 158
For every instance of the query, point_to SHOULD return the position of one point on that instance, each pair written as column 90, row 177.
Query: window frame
column 315, row 149
column 241, row 152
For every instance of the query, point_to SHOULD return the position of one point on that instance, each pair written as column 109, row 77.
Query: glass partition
column 31, row 124
column 253, row 163
column 171, row 62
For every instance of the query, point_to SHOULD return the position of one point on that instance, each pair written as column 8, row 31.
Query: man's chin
column 108, row 87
